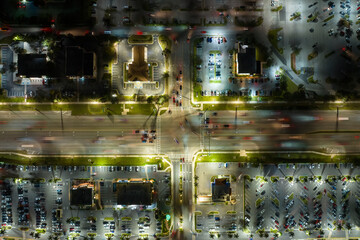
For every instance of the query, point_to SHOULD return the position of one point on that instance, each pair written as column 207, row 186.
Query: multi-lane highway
column 252, row 130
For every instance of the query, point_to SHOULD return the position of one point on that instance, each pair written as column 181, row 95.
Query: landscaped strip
column 95, row 108
column 277, row 9
column 273, row 38
column 276, row 157
column 87, row 160
column 279, row 106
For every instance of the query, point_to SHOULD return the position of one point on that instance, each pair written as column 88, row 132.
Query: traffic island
column 293, row 63
column 141, row 39
column 312, row 55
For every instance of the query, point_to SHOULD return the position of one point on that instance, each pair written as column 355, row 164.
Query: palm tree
column 12, row 67
column 301, row 88
column 165, row 75
column 348, row 226
column 166, row 52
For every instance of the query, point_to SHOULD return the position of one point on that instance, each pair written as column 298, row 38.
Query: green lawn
column 205, row 99
column 143, row 109
column 164, row 42
column 141, row 39
column 291, row 86
column 273, row 38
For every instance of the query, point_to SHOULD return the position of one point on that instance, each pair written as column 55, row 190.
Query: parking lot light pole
column 61, row 117
column 209, row 142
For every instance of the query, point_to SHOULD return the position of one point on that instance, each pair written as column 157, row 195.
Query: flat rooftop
column 78, row 62
column 246, row 59
column 81, row 193
column 32, row 65
column 220, row 189
column 134, row 193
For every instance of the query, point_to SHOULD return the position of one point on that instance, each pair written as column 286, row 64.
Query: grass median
column 280, row 106
column 277, row 158
column 84, row 161
column 76, row 109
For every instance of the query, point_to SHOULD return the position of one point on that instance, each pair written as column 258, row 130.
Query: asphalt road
column 265, row 130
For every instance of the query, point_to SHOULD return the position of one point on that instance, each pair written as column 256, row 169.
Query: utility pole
column 62, row 122
column 235, row 119
column 337, row 118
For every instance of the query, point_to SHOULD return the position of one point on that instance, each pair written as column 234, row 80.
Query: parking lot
column 215, row 73
column 40, row 202
column 215, row 69
column 284, row 201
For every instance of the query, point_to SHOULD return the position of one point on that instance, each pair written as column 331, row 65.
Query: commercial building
column 246, row 63
column 138, row 67
column 81, row 193
column 79, row 63
column 32, row 65
column 221, row 190
column 134, row 192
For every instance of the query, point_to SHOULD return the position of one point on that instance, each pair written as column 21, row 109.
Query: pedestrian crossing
column 158, row 133
column 16, row 93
